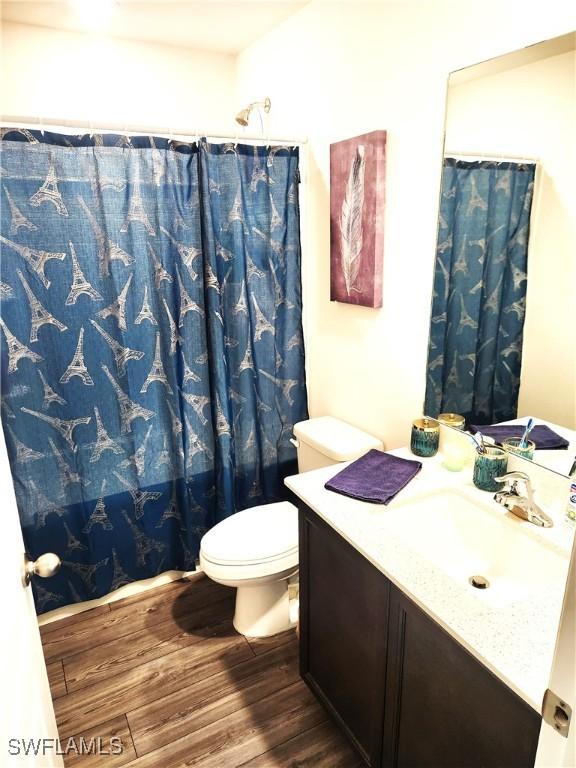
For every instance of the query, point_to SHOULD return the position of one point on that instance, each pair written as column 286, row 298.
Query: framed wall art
column 357, row 196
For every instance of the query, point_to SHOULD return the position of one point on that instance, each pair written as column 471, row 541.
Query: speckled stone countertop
column 514, row 638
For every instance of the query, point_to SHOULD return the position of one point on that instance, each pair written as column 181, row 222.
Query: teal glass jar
column 512, row 445
column 488, row 466
column 425, row 437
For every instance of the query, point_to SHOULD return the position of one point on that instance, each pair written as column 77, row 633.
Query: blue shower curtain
column 479, row 299
column 152, row 351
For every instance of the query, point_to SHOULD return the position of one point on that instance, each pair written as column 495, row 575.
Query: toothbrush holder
column 488, row 466
column 512, row 445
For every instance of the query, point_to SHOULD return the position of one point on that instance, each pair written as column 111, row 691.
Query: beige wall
column 530, row 111
column 48, row 73
column 335, row 70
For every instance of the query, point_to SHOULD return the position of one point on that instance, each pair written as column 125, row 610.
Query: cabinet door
column 444, row 708
column 343, row 622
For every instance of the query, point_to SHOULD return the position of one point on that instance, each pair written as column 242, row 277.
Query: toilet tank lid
column 335, row 439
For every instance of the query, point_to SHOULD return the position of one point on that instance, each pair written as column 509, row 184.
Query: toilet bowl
column 256, row 550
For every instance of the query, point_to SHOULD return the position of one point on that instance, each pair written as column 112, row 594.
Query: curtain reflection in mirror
column 479, row 299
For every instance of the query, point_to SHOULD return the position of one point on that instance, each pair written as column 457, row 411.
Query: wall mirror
column 502, row 341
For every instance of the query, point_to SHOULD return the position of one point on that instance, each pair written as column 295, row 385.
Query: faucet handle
column 520, row 506
column 513, row 476
column 511, row 479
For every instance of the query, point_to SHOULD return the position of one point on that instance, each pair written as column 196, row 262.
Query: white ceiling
column 211, row 25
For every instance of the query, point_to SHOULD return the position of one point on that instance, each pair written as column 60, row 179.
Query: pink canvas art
column 357, row 219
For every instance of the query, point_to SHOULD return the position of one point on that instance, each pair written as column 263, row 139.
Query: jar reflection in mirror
column 452, row 420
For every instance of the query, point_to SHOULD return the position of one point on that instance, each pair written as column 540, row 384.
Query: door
column 27, row 722
column 553, row 748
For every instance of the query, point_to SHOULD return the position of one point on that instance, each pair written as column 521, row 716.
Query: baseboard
column 126, row 591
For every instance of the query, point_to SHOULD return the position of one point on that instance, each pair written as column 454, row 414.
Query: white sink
column 464, row 538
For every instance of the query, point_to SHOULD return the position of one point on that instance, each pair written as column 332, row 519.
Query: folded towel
column 376, row 477
column 544, row 438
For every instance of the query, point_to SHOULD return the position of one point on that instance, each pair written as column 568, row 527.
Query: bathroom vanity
column 417, row 666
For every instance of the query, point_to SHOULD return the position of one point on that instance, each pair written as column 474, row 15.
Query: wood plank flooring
column 165, row 673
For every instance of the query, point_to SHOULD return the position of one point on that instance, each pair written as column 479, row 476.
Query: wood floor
column 168, row 675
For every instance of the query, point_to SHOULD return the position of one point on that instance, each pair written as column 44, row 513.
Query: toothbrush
column 480, row 437
column 476, row 443
column 523, row 441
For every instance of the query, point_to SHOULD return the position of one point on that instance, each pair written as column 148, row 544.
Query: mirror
column 502, row 336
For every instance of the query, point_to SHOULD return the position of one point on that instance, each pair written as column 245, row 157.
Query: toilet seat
column 266, row 534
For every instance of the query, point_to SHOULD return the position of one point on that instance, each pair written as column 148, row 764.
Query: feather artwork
column 351, row 221
column 357, row 197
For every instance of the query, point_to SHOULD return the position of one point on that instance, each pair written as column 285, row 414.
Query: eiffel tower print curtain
column 152, row 351
column 479, row 300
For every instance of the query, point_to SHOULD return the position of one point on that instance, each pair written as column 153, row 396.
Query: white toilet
column 256, row 550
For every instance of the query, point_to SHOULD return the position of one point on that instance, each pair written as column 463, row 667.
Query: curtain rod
column 12, row 121
column 492, row 158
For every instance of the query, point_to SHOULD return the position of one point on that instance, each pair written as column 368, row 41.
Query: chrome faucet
column 521, row 506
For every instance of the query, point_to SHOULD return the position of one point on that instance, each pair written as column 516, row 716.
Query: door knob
column 46, row 565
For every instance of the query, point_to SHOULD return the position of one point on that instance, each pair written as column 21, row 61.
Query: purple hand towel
column 376, row 477
column 544, row 438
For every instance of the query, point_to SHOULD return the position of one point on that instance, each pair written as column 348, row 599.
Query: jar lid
column 452, row 419
column 426, row 425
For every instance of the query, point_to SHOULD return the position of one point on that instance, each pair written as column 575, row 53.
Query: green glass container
column 425, row 437
column 488, row 466
column 512, row 445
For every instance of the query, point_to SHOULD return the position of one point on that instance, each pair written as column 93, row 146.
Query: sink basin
column 463, row 539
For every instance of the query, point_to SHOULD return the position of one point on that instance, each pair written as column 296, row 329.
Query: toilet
column 256, row 550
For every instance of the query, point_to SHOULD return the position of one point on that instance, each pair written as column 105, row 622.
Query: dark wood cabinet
column 403, row 690
column 344, row 603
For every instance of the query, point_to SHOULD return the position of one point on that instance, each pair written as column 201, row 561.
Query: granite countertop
column 514, row 638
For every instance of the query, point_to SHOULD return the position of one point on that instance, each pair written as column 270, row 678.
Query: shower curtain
column 152, row 351
column 479, row 300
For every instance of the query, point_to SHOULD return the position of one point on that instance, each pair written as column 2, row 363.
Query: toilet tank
column 325, row 440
